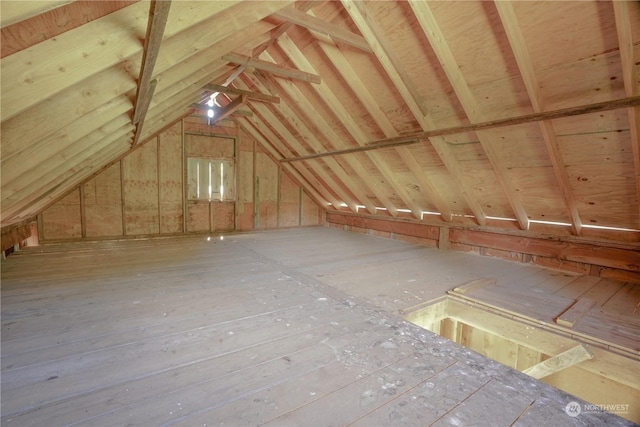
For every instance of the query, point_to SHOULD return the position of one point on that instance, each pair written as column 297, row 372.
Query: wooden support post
column 443, row 238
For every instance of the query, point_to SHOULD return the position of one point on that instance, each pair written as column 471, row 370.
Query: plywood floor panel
column 270, row 327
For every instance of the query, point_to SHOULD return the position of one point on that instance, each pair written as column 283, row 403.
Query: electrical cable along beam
column 415, row 138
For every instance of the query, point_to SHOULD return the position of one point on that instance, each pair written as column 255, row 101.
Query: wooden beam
column 343, row 115
column 334, row 104
column 227, row 110
column 623, row 12
column 144, row 107
column 325, row 183
column 272, row 68
column 296, row 121
column 302, row 19
column 12, row 12
column 252, row 129
column 46, row 69
column 418, row 137
column 557, row 363
column 370, row 103
column 250, row 95
column 405, row 87
column 308, row 114
column 158, row 14
column 302, row 5
column 521, row 52
column 466, row 98
column 66, row 158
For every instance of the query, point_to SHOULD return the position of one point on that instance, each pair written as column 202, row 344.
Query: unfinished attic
column 320, row 213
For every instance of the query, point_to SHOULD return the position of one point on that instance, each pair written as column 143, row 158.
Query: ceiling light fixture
column 210, row 112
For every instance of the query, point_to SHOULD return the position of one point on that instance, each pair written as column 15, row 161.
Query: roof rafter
column 310, row 22
column 440, row 47
column 417, row 137
column 402, row 83
column 623, row 12
column 521, row 52
column 158, row 14
column 323, row 128
column 311, row 139
column 53, row 70
column 276, row 124
column 13, row 12
column 349, row 123
column 114, row 139
column 342, row 64
column 276, row 149
column 251, row 127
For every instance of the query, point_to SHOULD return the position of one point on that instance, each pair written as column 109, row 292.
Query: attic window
column 211, row 179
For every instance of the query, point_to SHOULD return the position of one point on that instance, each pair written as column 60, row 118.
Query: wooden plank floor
column 292, row 327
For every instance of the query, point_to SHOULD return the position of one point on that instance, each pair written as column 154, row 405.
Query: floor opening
column 600, row 374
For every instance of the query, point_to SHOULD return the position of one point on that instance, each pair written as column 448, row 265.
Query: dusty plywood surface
column 244, row 331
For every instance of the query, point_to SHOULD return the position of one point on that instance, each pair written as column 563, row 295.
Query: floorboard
column 289, row 327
